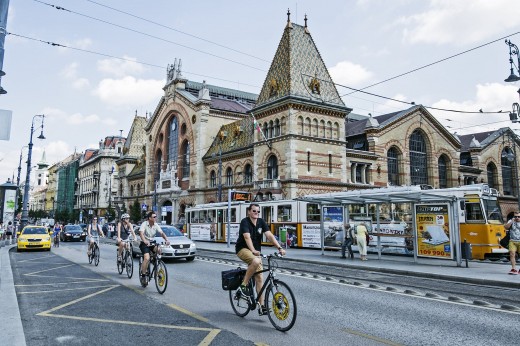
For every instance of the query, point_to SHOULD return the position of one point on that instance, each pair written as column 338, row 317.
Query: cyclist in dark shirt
column 248, row 246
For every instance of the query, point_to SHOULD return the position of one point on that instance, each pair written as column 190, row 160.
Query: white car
column 180, row 245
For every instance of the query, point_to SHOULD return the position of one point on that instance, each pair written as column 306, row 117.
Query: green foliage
column 135, row 212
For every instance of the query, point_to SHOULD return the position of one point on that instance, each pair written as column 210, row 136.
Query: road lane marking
column 46, row 270
column 371, row 337
column 209, row 338
column 34, row 259
column 189, row 313
column 63, row 283
column 64, row 289
column 76, row 301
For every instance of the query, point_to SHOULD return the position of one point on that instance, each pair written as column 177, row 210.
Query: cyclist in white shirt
column 148, row 231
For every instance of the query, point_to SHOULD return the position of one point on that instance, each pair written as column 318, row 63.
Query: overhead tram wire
column 54, row 44
column 176, row 30
column 151, row 36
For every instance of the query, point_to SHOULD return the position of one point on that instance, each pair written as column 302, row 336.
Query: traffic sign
column 144, row 206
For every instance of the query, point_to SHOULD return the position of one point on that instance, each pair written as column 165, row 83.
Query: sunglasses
column 255, row 211
column 154, row 217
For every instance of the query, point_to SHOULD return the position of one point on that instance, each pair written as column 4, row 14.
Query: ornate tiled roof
column 298, row 70
column 239, row 135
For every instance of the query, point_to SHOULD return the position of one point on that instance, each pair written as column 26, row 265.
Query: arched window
column 266, row 130
column 507, row 171
column 138, row 189
column 229, row 176
column 132, row 190
column 173, row 142
column 308, row 161
column 272, row 167
column 277, row 131
column 330, row 163
column 322, row 129
column 336, row 130
column 393, row 166
column 185, row 159
column 212, row 179
column 492, row 175
column 418, row 159
column 307, row 126
column 329, row 130
column 158, row 165
column 315, row 128
column 271, row 129
column 301, row 125
column 443, row 171
column 248, row 174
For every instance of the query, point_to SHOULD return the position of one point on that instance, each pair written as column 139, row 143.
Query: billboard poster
column 9, row 206
column 200, row 232
column 311, row 235
column 433, row 231
column 234, row 229
column 333, row 226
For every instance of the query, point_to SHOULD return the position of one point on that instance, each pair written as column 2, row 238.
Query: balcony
column 271, row 184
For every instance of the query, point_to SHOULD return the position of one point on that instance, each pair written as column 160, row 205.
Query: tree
column 135, row 212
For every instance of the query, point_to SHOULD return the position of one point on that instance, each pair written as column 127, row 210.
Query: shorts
column 8, row 233
column 247, row 256
column 514, row 246
column 145, row 249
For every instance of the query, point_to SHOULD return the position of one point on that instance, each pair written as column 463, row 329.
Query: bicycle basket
column 231, row 279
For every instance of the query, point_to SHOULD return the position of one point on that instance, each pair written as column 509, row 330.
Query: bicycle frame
column 268, row 280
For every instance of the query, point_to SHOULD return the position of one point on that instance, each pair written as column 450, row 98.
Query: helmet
column 125, row 216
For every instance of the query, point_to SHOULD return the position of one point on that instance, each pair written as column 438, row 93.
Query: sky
column 118, row 52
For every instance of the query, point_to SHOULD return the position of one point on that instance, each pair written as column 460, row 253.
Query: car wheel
column 189, row 259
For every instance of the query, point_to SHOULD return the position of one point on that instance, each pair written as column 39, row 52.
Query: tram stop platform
column 478, row 272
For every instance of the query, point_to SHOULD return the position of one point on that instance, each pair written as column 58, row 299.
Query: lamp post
column 513, row 50
column 513, row 116
column 25, row 212
column 222, row 135
column 18, row 177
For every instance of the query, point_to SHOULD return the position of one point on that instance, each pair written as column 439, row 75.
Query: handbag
column 504, row 242
column 368, row 238
column 231, row 279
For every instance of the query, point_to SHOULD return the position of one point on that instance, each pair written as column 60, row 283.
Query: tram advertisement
column 311, row 236
column 433, row 231
column 333, row 226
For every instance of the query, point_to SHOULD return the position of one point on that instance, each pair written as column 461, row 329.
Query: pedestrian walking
column 347, row 242
column 361, row 238
column 513, row 226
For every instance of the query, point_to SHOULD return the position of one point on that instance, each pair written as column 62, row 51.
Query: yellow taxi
column 34, row 238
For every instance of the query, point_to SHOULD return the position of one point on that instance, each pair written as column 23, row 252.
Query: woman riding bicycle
column 94, row 229
column 56, row 233
column 124, row 229
column 149, row 229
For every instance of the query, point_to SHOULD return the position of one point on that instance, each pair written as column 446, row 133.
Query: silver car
column 180, row 245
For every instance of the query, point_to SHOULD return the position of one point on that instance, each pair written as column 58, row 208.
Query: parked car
column 34, row 237
column 180, row 245
column 73, row 232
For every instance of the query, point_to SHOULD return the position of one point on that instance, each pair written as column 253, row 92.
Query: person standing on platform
column 347, row 242
column 513, row 226
column 361, row 238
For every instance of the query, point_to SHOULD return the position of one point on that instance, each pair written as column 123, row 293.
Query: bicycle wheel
column 129, row 263
column 119, row 263
column 281, row 305
column 239, row 303
column 91, row 256
column 161, row 277
column 96, row 254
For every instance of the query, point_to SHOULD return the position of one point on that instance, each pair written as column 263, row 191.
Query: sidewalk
column 479, row 272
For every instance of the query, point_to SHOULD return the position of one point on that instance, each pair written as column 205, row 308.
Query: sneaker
column 244, row 290
column 262, row 311
column 513, row 272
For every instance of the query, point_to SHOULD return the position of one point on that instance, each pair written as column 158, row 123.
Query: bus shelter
column 435, row 229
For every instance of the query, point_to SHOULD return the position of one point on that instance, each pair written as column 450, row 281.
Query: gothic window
column 393, row 166
column 138, row 190
column 131, row 190
column 322, row 129
column 336, row 130
column 308, row 161
column 507, row 171
column 277, row 131
column 173, row 141
column 185, row 159
column 418, row 159
column 329, row 130
column 248, row 174
column 266, row 130
column 229, row 176
column 492, row 175
column 272, row 167
column 158, row 164
column 307, row 126
column 301, row 125
column 212, row 179
column 315, row 128
column 271, row 129
column 330, row 163
column 443, row 171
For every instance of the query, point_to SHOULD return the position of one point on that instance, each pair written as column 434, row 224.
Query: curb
column 397, row 271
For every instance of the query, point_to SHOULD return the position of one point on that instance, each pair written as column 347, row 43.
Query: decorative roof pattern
column 298, row 70
column 215, row 91
column 233, row 137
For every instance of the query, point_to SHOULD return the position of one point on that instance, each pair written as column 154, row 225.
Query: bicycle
column 279, row 299
column 158, row 271
column 56, row 240
column 127, row 260
column 94, row 253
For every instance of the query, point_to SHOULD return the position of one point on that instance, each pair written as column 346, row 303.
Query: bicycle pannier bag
column 231, row 279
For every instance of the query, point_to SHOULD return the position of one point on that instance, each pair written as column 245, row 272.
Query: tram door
column 266, row 213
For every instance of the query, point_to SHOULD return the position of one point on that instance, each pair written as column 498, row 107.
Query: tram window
column 267, row 214
column 493, row 210
column 474, row 212
column 233, row 214
column 211, row 216
column 313, row 212
column 284, row 213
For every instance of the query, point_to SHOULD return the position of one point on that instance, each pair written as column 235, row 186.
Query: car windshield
column 72, row 228
column 171, row 231
column 35, row 230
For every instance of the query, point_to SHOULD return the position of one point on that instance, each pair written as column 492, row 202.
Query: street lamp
column 222, row 135
column 18, row 177
column 513, row 50
column 25, row 213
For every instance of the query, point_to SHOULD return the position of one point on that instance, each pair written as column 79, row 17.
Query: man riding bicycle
column 94, row 229
column 147, row 232
column 248, row 246
column 124, row 229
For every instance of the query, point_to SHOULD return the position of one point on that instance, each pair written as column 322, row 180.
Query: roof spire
column 289, row 25
column 306, row 29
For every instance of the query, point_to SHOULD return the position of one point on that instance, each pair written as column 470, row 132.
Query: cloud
column 490, row 97
column 463, row 21
column 129, row 91
column 59, row 116
column 70, row 73
column 350, row 74
column 119, row 68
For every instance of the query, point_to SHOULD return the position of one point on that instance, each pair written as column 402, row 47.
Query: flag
column 257, row 126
